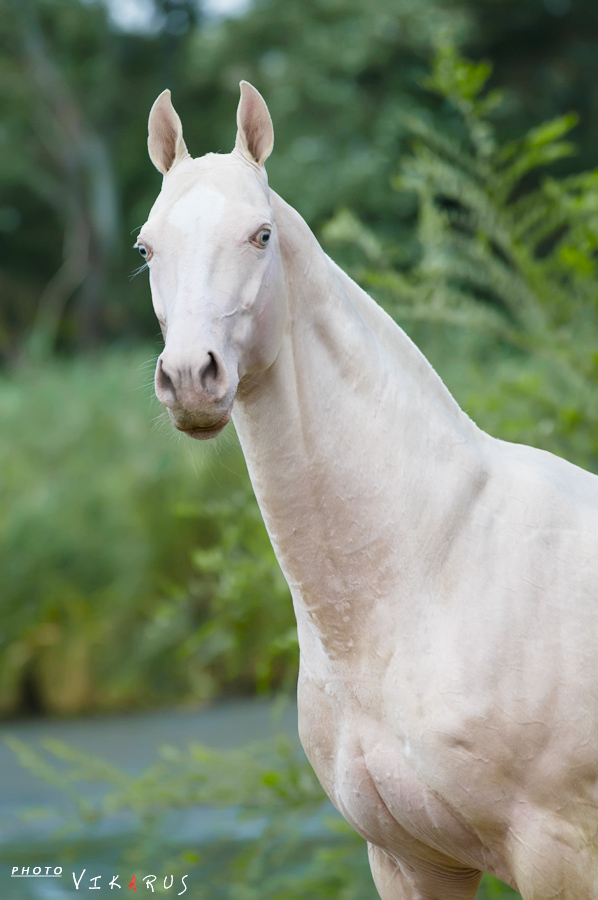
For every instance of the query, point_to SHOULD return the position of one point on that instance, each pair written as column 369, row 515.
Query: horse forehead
column 201, row 205
column 225, row 173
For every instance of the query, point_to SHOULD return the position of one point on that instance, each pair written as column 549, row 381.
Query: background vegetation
column 461, row 196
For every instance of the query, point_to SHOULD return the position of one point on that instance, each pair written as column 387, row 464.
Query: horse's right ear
column 165, row 141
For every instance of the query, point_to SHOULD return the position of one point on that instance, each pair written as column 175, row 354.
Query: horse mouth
column 205, row 432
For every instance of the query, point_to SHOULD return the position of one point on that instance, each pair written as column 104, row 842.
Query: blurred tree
column 61, row 160
column 544, row 54
column 65, row 163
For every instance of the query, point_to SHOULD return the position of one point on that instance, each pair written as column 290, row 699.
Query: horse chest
column 370, row 776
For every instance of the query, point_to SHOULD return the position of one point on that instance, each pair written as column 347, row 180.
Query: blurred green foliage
column 249, row 639
column 87, row 542
column 100, row 603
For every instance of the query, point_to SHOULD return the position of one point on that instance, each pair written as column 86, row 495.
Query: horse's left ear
column 255, row 134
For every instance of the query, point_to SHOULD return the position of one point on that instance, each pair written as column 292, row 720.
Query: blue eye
column 264, row 237
column 145, row 251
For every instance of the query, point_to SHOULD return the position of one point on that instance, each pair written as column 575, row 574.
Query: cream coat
column 445, row 583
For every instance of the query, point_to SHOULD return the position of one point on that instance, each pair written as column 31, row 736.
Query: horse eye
column 264, row 237
column 142, row 250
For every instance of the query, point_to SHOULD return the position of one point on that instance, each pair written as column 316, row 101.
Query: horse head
column 216, row 274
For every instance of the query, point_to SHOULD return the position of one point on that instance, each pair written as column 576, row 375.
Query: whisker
column 137, row 271
column 148, row 362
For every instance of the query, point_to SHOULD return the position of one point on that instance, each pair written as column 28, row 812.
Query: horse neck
column 355, row 448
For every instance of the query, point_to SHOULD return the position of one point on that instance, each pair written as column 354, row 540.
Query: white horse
column 445, row 583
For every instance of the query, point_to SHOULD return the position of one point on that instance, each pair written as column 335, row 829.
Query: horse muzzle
column 198, row 394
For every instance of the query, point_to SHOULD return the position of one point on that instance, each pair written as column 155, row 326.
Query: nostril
column 165, row 389
column 210, row 375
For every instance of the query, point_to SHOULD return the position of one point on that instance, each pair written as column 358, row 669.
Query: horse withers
column 445, row 583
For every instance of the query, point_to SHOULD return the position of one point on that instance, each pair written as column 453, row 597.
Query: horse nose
column 191, row 385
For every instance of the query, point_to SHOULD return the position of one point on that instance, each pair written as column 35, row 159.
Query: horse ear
column 165, row 140
column 255, row 134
